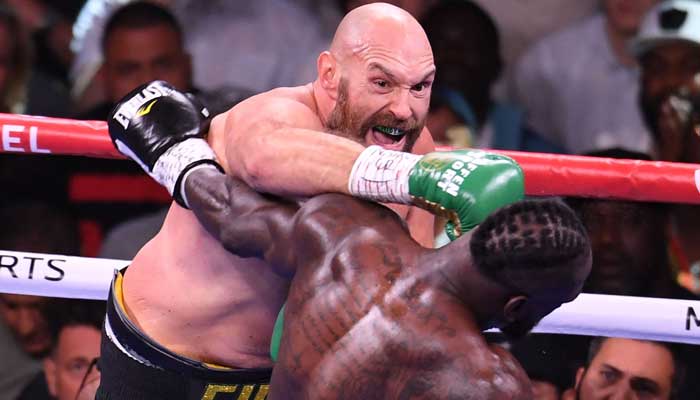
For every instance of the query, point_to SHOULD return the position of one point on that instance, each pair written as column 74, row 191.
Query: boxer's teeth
column 389, row 131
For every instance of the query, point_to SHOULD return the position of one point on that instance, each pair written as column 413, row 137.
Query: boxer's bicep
column 245, row 222
column 279, row 147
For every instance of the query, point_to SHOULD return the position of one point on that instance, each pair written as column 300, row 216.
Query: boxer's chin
column 373, row 137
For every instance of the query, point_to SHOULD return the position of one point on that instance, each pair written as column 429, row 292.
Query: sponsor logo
column 452, row 179
column 33, row 268
column 235, row 392
column 691, row 319
column 133, row 106
column 21, row 139
column 146, row 109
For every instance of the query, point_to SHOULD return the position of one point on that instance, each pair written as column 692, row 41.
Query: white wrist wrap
column 171, row 164
column 382, row 175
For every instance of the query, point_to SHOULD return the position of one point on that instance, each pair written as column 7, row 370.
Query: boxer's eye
column 421, row 86
column 381, row 83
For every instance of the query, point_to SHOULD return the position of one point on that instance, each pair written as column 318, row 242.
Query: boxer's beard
column 344, row 121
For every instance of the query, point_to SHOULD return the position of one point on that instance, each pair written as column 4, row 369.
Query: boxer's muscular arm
column 246, row 223
column 277, row 145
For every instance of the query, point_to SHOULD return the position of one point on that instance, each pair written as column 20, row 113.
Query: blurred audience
column 463, row 113
column 24, row 339
column 522, row 23
column 579, row 86
column 629, row 242
column 141, row 42
column 268, row 43
column 668, row 48
column 75, row 327
column 24, row 332
column 49, row 86
column 417, row 8
column 630, row 257
column 628, row 369
column 14, row 62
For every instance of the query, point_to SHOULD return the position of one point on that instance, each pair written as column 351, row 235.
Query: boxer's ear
column 579, row 376
column 328, row 73
column 515, row 309
column 50, row 374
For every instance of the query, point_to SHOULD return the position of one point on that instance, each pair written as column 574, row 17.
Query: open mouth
column 387, row 136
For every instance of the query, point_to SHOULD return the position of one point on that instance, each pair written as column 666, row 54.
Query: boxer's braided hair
column 521, row 244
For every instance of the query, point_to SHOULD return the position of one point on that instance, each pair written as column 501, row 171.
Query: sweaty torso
column 364, row 321
column 192, row 296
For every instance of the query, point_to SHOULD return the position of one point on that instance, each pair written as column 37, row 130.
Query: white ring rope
column 55, row 275
column 666, row 320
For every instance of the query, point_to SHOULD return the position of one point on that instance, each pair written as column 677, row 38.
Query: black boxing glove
column 163, row 130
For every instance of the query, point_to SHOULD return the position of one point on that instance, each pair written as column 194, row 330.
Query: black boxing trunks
column 134, row 367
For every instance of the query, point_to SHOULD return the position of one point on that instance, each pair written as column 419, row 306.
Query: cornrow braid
column 528, row 238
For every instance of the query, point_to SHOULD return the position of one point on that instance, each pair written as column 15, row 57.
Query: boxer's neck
column 454, row 273
column 323, row 100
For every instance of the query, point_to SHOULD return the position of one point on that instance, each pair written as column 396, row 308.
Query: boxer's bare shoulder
column 289, row 106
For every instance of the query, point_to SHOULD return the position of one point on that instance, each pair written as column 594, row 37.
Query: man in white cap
column 668, row 49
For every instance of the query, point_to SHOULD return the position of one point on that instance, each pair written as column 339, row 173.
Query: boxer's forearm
column 294, row 162
column 246, row 223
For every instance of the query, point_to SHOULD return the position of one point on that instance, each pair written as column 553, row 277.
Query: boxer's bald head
column 380, row 26
column 374, row 82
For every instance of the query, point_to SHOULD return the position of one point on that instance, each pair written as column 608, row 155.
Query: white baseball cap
column 668, row 21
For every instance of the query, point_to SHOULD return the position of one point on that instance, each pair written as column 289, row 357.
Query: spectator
column 463, row 114
column 668, row 47
column 14, row 62
column 24, row 333
column 521, row 23
column 629, row 369
column 141, row 42
column 579, row 86
column 630, row 244
column 24, row 340
column 49, row 87
column 236, row 45
column 75, row 329
column 37, row 177
column 417, row 8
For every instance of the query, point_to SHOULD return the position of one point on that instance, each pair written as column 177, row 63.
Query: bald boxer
column 186, row 303
column 373, row 315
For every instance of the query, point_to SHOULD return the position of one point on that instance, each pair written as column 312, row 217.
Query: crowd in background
column 546, row 77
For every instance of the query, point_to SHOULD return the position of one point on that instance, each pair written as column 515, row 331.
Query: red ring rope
column 545, row 174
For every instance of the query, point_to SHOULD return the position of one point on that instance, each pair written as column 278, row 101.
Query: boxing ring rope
column 545, row 174
column 590, row 314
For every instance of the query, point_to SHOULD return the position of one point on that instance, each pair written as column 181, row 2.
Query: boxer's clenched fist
column 163, row 130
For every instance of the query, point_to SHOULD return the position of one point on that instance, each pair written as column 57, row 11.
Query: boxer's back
column 368, row 320
column 192, row 296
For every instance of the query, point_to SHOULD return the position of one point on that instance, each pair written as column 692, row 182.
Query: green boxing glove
column 464, row 186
